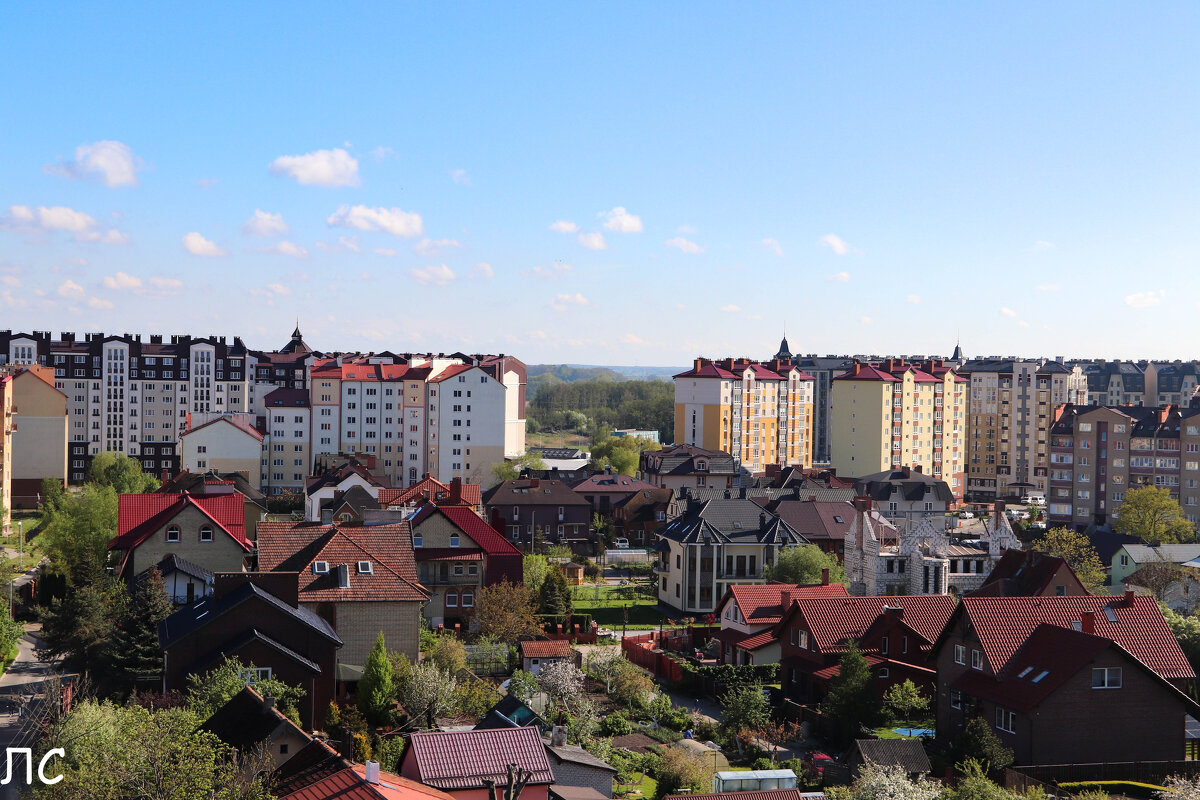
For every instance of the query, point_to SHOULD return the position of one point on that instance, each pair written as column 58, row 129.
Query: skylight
column 1025, row 672
column 1041, row 675
column 1112, row 615
column 320, row 567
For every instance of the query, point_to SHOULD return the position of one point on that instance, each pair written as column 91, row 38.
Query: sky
column 626, row 184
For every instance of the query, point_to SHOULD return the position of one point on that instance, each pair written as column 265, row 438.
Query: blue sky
column 876, row 179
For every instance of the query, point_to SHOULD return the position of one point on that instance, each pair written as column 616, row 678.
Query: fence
column 651, row 650
column 1155, row 772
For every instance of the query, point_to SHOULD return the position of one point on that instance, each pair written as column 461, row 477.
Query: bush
column 616, row 725
column 762, row 763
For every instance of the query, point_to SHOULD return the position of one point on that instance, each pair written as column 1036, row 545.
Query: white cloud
column 428, row 247
column 1145, row 299
column 10, row 280
column 1048, row 287
column 171, row 285
column 43, row 220
column 562, row 302
column 98, row 303
column 731, row 309
column 278, row 288
column 839, row 277
column 460, row 176
column 12, row 301
column 483, row 270
column 270, row 292
column 333, row 167
column 288, row 249
column 684, row 245
column 621, row 221
column 593, row 241
column 381, row 153
column 207, row 183
column 265, row 224
column 866, row 321
column 1022, row 323
column 629, row 338
column 395, row 221
column 197, row 245
column 686, row 230
column 70, row 289
column 915, row 299
column 111, row 163
column 437, row 275
column 1008, row 312
column 774, row 246
column 552, row 272
column 835, row 243
column 386, row 252
column 564, row 226
column 122, row 281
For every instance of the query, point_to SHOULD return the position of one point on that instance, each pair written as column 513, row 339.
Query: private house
column 1132, row 557
column 431, row 490
column 250, row 720
column 640, row 514
column 1028, row 573
column 350, row 506
column 686, row 465
column 536, row 655
column 223, row 443
column 254, row 502
column 360, row 580
column 894, row 634
column 257, row 619
column 318, row 772
column 339, row 478
column 457, row 554
column 1065, row 679
column 605, row 490
column 905, row 493
column 208, row 531
column 39, row 439
column 1176, row 585
column 716, row 544
column 184, row 581
column 464, row 763
column 579, row 775
column 748, row 610
column 826, row 523
column 549, row 509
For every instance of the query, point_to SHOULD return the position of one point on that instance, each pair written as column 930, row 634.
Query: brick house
column 1066, row 679
column 209, row 531
column 894, row 634
column 459, row 762
column 550, row 507
column 1028, row 573
column 637, row 516
column 257, row 619
column 750, row 609
column 457, row 554
column 362, row 580
column 605, row 490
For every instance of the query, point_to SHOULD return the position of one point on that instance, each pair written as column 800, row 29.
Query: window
column 1106, row 677
column 320, row 568
column 976, row 660
column 960, row 654
column 365, row 568
column 173, row 533
column 454, row 540
column 955, row 698
column 417, row 540
column 253, row 675
column 206, row 534
column 884, row 673
column 468, row 599
column 1005, row 720
column 451, row 600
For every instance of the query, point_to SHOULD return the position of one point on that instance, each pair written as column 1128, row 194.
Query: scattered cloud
column 836, row 244
column 70, row 289
column 438, row 275
column 1008, row 312
column 99, row 303
column 122, row 281
column 686, row 230
column 1043, row 245
column 562, row 302
column 564, row 226
column 288, row 249
column 1145, row 299
column 43, row 220
column 386, row 252
column 10, row 280
column 621, row 221
column 170, row 285
column 684, row 245
column 111, row 163
column 265, row 224
column 207, row 183
column 1048, row 287
column 343, row 243
column 731, row 309
column 593, row 241
column 552, row 272
column 629, row 338
column 197, row 245
column 774, row 246
column 270, row 292
column 429, row 247
column 395, row 221
column 1022, row 323
column 915, row 299
column 12, row 301
column 460, row 177
column 483, row 270
column 839, row 277
column 333, row 167
column 279, row 288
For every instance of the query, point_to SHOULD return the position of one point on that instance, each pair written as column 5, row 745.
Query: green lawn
column 609, row 609
column 647, row 788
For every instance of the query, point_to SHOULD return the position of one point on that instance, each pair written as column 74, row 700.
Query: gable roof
column 356, row 499
column 907, row 753
column 1135, row 622
column 191, row 618
column 762, row 604
column 911, row 484
column 430, row 488
column 824, row 521
column 474, row 526
column 605, row 483
column 317, row 772
column 1170, row 553
column 1023, row 573
column 335, row 476
column 246, row 720
column 730, row 520
column 554, row 648
column 833, row 622
column 577, row 755
column 140, row 515
column 195, row 482
column 240, row 422
column 533, row 491
column 463, row 759
column 681, row 459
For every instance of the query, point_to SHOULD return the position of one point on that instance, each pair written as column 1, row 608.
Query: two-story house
column 207, row 530
column 688, row 466
column 1066, row 679
column 605, row 490
column 637, row 516
column 716, row 544
column 543, row 510
column 1029, row 573
column 752, row 609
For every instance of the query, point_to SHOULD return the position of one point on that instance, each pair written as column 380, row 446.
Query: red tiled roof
column 450, row 372
column 240, row 423
column 1004, row 623
column 360, row 372
column 430, row 488
column 474, row 526
column 833, row 670
column 834, row 622
column 350, row 783
column 866, row 372
column 463, row 759
column 760, row 603
column 707, row 371
column 139, row 515
column 545, row 649
column 758, row 640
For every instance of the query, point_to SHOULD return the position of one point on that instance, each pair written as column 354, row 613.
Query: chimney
column 496, row 522
column 762, row 520
column 861, row 504
column 534, row 483
column 785, row 600
column 824, row 576
column 372, row 772
column 917, row 468
column 558, row 736
column 1129, row 596
column 1087, row 622
column 812, row 498
column 906, row 472
column 343, row 576
column 998, row 510
column 456, row 492
column 268, row 702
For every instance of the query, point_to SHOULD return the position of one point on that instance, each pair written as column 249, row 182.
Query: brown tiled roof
column 545, row 649
column 835, row 622
column 463, row 759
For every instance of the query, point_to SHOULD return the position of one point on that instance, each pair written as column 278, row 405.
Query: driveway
column 21, row 678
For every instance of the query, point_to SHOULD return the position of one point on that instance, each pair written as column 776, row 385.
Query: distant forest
column 586, row 405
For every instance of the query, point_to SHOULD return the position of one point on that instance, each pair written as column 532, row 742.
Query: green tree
column 121, row 473
column 1187, row 633
column 81, row 628
column 976, row 785
column 631, row 685
column 535, row 571
column 448, row 653
column 523, row 685
column 621, row 453
column 555, row 596
column 851, row 702
column 1075, row 548
column 376, row 691
column 803, row 565
column 11, row 633
column 980, row 743
column 209, row 691
column 506, row 611
column 139, row 655
column 1151, row 513
column 745, row 707
column 53, row 495
column 905, row 701
column 75, row 540
column 511, row 470
column 680, row 770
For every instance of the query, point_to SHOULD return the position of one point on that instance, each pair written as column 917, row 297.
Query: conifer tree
column 139, row 655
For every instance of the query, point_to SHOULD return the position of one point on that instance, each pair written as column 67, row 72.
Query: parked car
column 815, row 762
column 966, row 515
column 1033, row 500
column 622, row 544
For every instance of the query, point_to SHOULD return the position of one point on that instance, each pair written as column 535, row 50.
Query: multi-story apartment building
column 1119, row 383
column 1098, row 453
column 759, row 413
column 287, row 435
column 1010, row 407
column 1174, row 382
column 6, row 445
column 900, row 414
column 39, row 437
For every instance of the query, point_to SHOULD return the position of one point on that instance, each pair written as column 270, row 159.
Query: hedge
column 1130, row 788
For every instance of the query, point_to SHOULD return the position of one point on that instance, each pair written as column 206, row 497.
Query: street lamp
column 21, row 545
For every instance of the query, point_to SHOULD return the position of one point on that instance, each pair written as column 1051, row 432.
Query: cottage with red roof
column 895, row 634
column 362, row 580
column 537, row 655
column 748, row 610
column 208, row 531
column 457, row 554
column 462, row 763
column 1066, row 679
column 318, row 772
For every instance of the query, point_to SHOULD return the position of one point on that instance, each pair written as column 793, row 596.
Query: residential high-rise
column 39, row 437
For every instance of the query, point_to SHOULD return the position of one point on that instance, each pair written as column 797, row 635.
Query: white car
column 622, row 544
column 966, row 515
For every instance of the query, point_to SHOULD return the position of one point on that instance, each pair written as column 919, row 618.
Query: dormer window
column 320, row 568
column 173, row 533
column 206, row 534
column 365, row 568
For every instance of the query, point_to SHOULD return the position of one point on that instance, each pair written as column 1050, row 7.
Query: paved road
column 18, row 679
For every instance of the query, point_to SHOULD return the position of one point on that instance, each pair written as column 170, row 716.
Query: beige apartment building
column 6, row 452
column 39, row 436
column 897, row 414
column 760, row 413
column 1010, row 408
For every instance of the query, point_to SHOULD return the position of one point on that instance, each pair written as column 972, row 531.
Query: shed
column 907, row 753
column 574, row 573
column 537, row 654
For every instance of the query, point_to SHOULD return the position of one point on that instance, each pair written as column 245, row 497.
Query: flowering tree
column 888, row 783
column 430, row 693
column 561, row 680
column 1181, row 789
column 606, row 665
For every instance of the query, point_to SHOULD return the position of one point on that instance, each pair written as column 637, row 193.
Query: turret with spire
column 785, row 352
column 296, row 345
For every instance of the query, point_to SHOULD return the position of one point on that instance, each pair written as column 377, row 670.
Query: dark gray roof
column 577, row 755
column 681, row 459
column 533, row 492
column 358, row 498
column 907, row 753
column 911, row 484
column 191, row 618
column 730, row 521
column 172, row 563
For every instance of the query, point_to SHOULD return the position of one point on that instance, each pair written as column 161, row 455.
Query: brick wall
column 222, row 554
column 359, row 624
